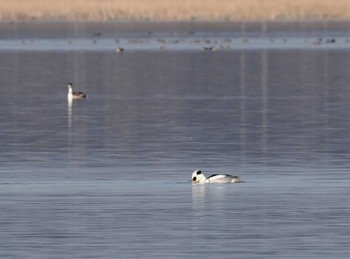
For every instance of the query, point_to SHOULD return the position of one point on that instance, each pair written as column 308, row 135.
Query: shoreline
column 17, row 29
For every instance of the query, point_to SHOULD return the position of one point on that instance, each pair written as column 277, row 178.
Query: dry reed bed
column 173, row 10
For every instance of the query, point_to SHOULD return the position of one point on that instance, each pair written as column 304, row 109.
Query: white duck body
column 198, row 177
column 74, row 95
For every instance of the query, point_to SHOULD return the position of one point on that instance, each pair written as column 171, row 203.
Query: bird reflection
column 203, row 194
column 198, row 200
column 69, row 109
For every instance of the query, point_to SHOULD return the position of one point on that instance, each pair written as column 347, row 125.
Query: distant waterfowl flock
column 193, row 40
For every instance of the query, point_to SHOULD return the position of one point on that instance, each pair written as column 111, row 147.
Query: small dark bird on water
column 209, row 49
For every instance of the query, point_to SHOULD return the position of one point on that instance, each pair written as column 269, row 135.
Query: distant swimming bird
column 119, row 50
column 318, row 41
column 330, row 40
column 198, row 177
column 209, row 49
column 74, row 95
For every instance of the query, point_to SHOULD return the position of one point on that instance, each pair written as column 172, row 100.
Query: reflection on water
column 198, row 200
column 69, row 108
column 204, row 195
column 99, row 175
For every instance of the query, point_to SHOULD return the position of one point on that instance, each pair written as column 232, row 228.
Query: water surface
column 107, row 177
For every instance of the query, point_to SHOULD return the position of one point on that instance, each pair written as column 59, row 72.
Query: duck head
column 198, row 177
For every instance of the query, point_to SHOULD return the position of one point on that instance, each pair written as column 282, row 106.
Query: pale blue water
column 107, row 177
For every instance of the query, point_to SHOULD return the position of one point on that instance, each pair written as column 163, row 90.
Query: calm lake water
column 107, row 177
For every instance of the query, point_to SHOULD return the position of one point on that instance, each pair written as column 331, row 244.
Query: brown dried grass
column 174, row 10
